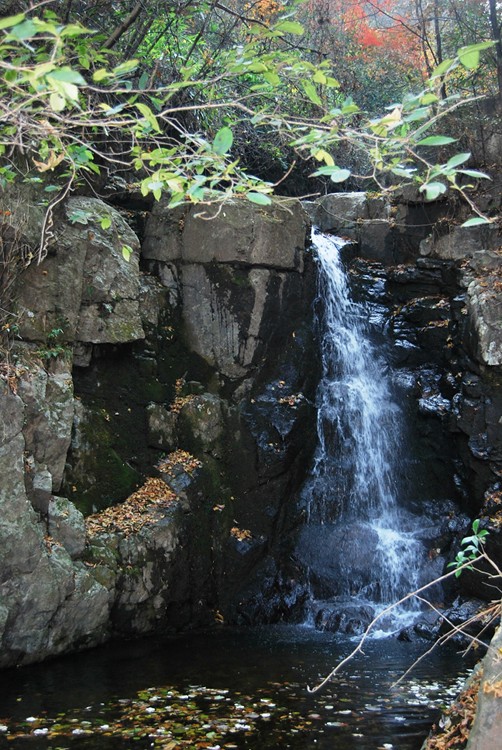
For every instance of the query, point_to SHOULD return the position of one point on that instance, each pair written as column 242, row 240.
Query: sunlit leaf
column 260, row 198
column 6, row 23
column 475, row 221
column 433, row 190
column 289, row 27
column 436, row 140
column 458, row 159
column 223, row 141
column 311, row 92
column 23, row 31
column 469, row 56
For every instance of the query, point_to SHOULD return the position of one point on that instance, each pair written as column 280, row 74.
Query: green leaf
column 436, row 140
column 148, row 115
column 319, row 77
column 57, row 102
column 260, row 198
column 23, row 31
column 106, row 222
column 289, row 27
column 311, row 92
column 340, row 175
column 100, row 75
column 475, row 173
column 433, row 190
column 126, row 67
column 68, row 75
column 469, row 56
column 79, row 216
column 272, row 78
column 127, row 252
column 428, row 98
column 67, row 90
column 336, row 174
column 443, row 68
column 223, row 141
column 458, row 159
column 6, row 23
column 475, row 221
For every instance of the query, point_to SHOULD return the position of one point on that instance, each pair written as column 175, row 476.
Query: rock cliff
column 173, row 371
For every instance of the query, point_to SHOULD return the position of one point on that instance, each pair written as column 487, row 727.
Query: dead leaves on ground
column 140, row 508
column 131, row 515
column 455, row 724
column 242, row 535
column 179, row 461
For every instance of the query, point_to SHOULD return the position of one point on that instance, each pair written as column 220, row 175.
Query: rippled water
column 249, row 687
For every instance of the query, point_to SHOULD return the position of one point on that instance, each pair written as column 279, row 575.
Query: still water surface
column 229, row 689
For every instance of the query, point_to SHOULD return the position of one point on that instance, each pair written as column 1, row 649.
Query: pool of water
column 229, row 689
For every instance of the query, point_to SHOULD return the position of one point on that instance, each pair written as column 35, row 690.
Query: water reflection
column 262, row 675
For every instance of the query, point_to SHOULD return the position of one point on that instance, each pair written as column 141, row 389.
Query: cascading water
column 358, row 545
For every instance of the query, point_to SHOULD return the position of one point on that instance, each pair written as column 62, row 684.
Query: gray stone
column 41, row 490
column 484, row 305
column 212, row 330
column 110, row 323
column 485, row 731
column 84, row 618
column 340, row 213
column 49, row 407
column 238, row 232
column 460, row 243
column 84, row 286
column 161, row 427
column 203, row 423
column 377, row 241
column 164, row 231
column 66, row 525
column 152, row 298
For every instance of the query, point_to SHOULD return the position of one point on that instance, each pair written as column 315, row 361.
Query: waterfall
column 358, row 544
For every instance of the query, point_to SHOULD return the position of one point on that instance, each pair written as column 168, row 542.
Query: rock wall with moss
column 155, row 403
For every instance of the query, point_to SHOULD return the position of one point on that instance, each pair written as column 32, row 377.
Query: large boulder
column 237, row 232
column 85, row 287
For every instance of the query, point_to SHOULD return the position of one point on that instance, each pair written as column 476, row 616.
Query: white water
column 358, row 543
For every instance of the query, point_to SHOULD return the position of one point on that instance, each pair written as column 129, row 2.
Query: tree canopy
column 197, row 98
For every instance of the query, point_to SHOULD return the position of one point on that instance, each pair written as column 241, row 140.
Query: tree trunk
column 122, row 28
column 495, row 29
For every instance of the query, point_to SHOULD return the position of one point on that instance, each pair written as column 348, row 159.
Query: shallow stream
column 229, row 689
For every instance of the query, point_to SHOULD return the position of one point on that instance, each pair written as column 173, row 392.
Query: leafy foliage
column 69, row 108
column 472, row 548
